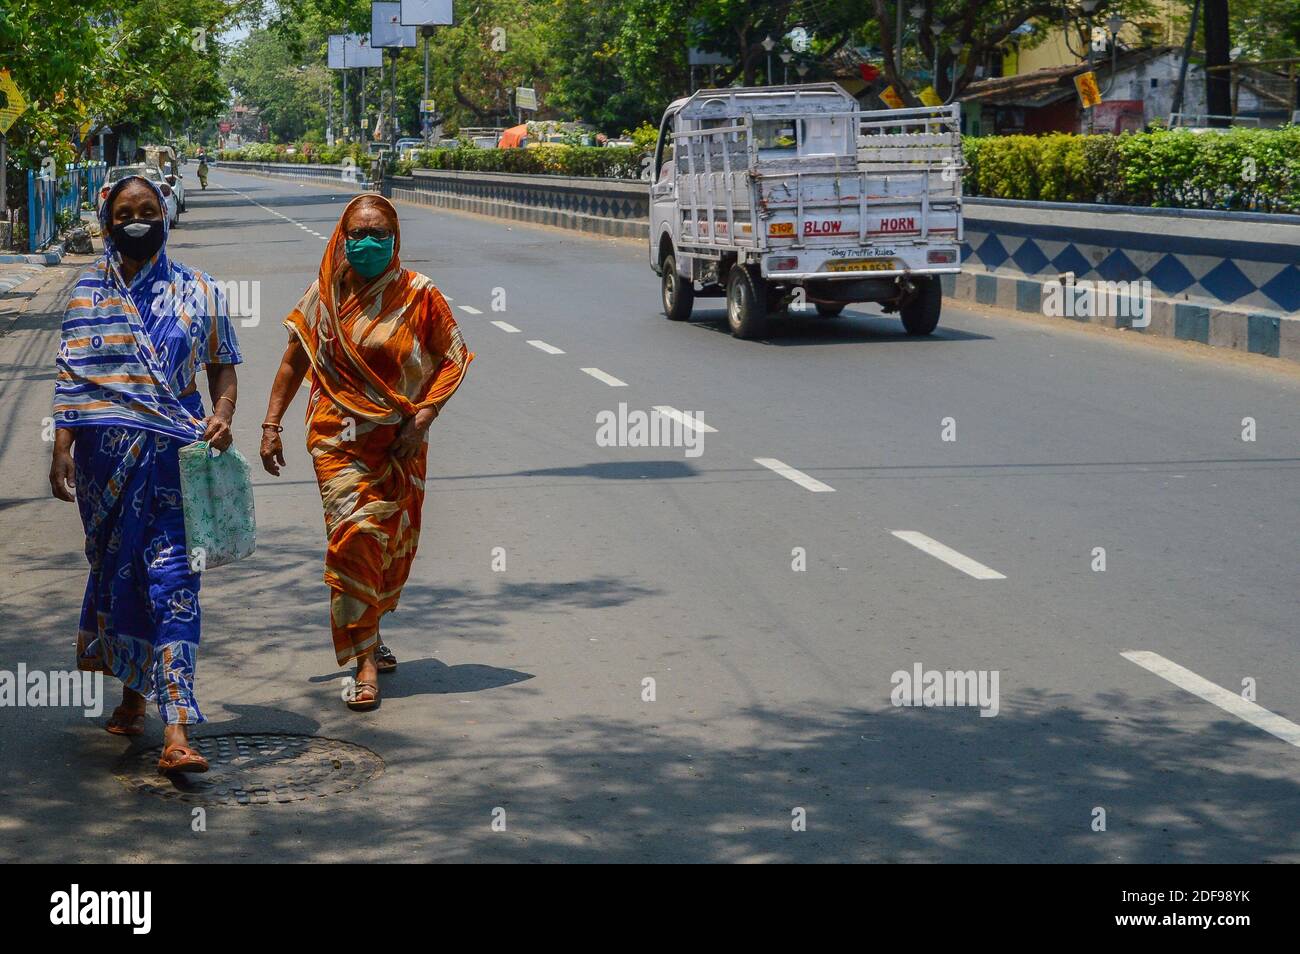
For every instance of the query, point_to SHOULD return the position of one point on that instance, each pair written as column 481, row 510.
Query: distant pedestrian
column 137, row 329
column 385, row 355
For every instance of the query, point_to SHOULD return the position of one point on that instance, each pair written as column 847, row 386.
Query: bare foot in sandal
column 385, row 661
column 365, row 689
column 177, row 754
column 128, row 718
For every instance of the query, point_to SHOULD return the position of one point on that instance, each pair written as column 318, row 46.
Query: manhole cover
column 257, row 770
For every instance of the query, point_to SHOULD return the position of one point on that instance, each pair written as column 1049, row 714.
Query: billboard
column 359, row 54
column 334, row 56
column 426, row 12
column 386, row 29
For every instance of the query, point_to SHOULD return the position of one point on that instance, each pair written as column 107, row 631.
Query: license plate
column 861, row 265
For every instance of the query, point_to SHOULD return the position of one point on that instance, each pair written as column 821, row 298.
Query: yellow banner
column 930, row 97
column 17, row 105
column 890, row 97
column 1089, row 93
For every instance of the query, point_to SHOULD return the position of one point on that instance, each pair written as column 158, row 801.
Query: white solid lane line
column 1256, row 715
column 470, row 309
column 543, row 346
column 948, row 555
column 506, row 326
column 609, row 379
column 694, row 422
column 798, row 476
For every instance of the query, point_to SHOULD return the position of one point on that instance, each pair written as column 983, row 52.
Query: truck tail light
column 941, row 256
column 784, row 263
column 103, row 193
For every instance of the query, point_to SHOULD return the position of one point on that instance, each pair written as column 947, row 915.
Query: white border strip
column 948, row 555
column 694, row 422
column 609, row 379
column 798, row 476
column 1256, row 715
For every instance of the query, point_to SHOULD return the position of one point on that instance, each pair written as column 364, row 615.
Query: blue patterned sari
column 129, row 353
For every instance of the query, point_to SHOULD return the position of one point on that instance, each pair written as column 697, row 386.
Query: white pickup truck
column 782, row 197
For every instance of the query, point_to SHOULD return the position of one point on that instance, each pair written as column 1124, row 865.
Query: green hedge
column 1255, row 169
column 608, row 162
column 308, row 152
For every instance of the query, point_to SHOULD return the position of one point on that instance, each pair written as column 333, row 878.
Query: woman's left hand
column 217, row 432
column 411, row 437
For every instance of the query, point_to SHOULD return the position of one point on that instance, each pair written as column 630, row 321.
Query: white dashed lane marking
column 543, row 346
column 948, row 555
column 470, row 309
column 600, row 375
column 506, row 326
column 1256, row 715
column 798, row 476
column 694, row 421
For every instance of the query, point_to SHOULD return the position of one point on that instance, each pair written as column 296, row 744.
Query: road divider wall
column 617, row 207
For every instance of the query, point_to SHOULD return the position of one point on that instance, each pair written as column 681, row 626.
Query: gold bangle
column 276, row 427
column 225, row 398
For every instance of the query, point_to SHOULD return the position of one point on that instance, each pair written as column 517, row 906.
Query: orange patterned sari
column 376, row 358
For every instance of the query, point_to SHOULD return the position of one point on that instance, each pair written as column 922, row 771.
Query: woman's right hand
column 63, row 475
column 272, row 451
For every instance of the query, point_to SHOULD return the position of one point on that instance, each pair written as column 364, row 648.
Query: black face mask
column 142, row 246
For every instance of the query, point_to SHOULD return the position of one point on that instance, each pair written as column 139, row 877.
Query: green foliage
column 305, row 153
column 1254, row 169
column 609, row 162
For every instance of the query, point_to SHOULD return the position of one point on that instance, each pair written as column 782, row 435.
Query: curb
column 1272, row 334
column 52, row 257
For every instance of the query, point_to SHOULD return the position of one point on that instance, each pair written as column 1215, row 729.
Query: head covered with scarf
column 131, row 348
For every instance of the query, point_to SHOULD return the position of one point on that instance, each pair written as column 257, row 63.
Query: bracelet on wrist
column 275, row 427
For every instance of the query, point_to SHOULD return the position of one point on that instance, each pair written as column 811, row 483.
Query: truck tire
column 677, row 293
column 829, row 311
column 921, row 314
column 746, row 303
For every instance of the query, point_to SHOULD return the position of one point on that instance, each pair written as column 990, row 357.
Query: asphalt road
column 523, row 689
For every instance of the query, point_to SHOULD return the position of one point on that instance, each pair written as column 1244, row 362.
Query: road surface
column 524, row 688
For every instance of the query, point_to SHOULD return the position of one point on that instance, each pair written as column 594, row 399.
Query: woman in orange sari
column 384, row 355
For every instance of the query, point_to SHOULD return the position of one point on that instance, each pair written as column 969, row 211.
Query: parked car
column 150, row 172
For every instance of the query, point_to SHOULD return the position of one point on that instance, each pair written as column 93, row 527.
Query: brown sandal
column 362, row 696
column 385, row 661
column 126, row 721
column 181, row 758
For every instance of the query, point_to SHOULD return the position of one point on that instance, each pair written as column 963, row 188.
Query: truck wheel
column 921, row 314
column 746, row 303
column 678, row 293
column 828, row 311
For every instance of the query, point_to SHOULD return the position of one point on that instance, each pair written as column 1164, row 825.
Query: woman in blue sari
column 136, row 331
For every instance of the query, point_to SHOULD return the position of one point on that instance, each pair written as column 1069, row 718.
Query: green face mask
column 369, row 256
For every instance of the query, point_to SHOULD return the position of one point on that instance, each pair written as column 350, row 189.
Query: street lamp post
column 769, row 44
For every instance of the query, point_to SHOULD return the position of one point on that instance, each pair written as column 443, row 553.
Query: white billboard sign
column 386, row 29
column 358, row 53
column 334, row 56
column 426, row 12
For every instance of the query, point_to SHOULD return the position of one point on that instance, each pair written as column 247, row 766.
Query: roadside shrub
column 1240, row 169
